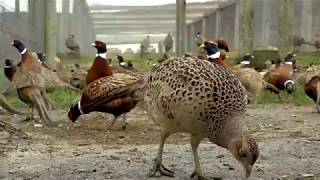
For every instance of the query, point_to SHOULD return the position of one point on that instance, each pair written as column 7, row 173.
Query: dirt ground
column 288, row 137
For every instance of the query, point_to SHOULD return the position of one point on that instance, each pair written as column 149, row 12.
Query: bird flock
column 197, row 93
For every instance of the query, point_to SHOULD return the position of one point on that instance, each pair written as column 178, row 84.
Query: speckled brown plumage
column 200, row 98
column 205, row 89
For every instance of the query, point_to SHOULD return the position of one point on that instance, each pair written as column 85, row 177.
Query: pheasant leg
column 158, row 166
column 197, row 173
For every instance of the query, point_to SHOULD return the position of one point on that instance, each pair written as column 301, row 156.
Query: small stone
column 121, row 137
column 285, row 177
column 145, row 161
column 225, row 164
column 59, row 125
column 129, row 160
column 112, row 157
column 94, row 170
column 231, row 168
column 37, row 125
column 308, row 176
column 259, row 169
column 81, row 170
column 11, row 172
column 220, row 156
column 133, row 150
column 83, row 144
column 76, row 153
column 277, row 128
column 293, row 115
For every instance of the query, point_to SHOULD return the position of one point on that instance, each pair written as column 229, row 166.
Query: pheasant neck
column 23, row 51
column 79, row 107
column 103, row 55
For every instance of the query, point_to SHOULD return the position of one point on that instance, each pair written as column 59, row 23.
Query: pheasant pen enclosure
column 287, row 132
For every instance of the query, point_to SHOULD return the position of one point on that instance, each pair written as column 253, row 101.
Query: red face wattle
column 99, row 43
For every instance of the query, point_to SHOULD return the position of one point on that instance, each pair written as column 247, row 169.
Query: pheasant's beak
column 202, row 46
column 12, row 43
column 93, row 45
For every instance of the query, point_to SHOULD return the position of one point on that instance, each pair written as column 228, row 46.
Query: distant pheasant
column 121, row 61
column 214, row 54
column 72, row 45
column 41, row 56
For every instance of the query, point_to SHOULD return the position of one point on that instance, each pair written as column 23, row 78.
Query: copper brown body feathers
column 94, row 96
column 99, row 68
column 312, row 89
column 281, row 78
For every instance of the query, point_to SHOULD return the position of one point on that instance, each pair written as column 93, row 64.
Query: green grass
column 63, row 99
column 60, row 98
column 298, row 97
column 305, row 58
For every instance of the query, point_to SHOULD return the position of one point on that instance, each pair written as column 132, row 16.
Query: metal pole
column 306, row 20
column 17, row 6
column 236, row 26
column 246, row 26
column 65, row 18
column 285, row 26
column 50, row 30
column 180, row 26
column 204, row 27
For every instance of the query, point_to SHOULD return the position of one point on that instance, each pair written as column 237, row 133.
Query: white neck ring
column 103, row 55
column 79, row 107
column 24, row 51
